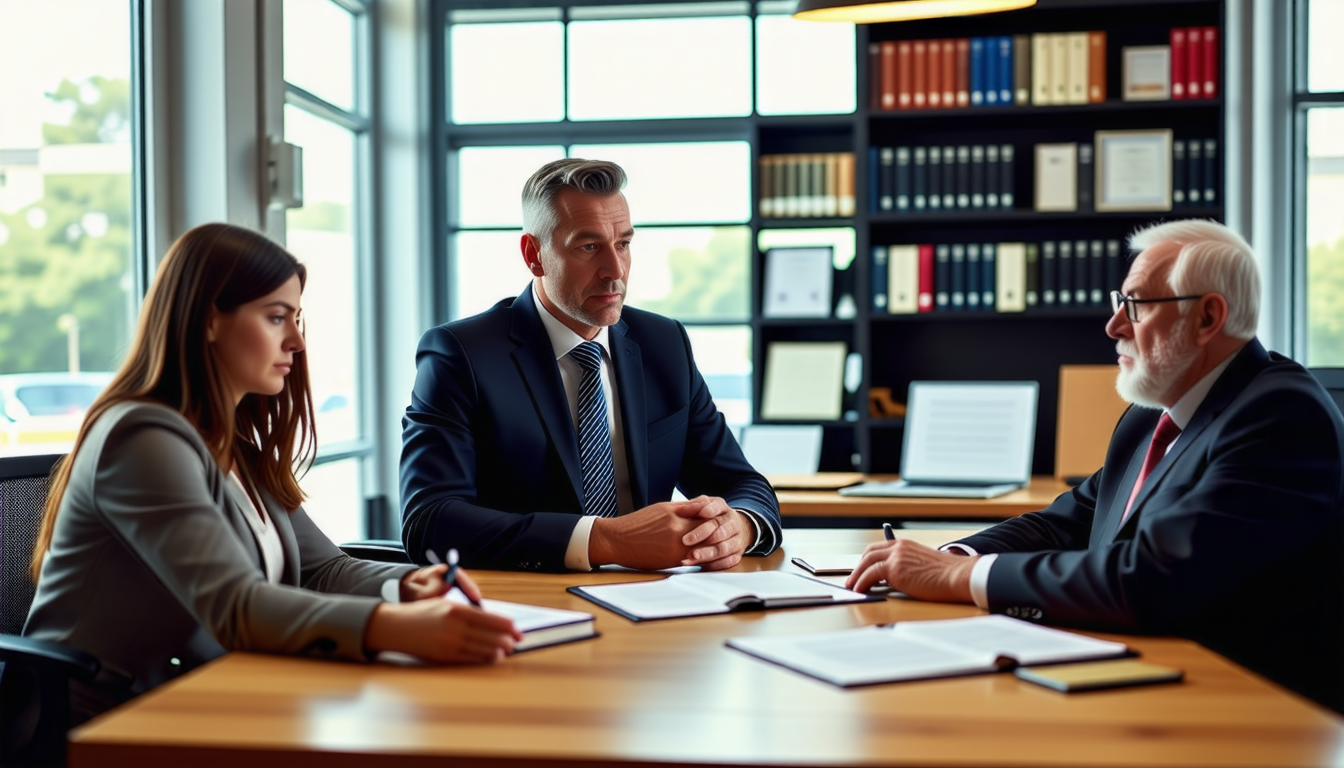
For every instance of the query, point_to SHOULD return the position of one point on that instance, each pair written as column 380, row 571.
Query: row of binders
column 1003, row 70
column 946, row 178
column 807, row 185
column 995, row 277
column 1194, row 173
column 1194, row 62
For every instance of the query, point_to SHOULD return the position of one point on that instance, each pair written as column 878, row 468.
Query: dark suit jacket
column 1234, row 541
column 490, row 461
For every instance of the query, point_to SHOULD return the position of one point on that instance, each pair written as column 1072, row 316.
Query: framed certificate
column 1147, row 72
column 1133, row 170
column 798, row 282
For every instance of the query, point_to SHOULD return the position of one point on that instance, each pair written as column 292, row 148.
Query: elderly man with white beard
column 1217, row 515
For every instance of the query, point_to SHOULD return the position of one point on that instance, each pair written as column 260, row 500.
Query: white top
column 272, row 553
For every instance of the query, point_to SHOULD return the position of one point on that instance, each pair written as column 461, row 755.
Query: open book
column 700, row 594
column 541, row 626
column 915, row 650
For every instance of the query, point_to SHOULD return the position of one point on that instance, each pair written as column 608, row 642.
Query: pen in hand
column 450, row 576
column 886, row 531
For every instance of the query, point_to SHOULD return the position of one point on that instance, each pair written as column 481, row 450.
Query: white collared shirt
column 562, row 341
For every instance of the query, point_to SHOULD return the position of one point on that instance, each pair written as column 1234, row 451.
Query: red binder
column 889, row 75
column 934, row 72
column 904, row 75
column 1210, row 62
column 1178, row 62
column 919, row 78
column 963, row 82
column 1194, row 63
column 925, row 277
column 949, row 73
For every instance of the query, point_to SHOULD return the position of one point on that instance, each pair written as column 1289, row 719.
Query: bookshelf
column 966, row 345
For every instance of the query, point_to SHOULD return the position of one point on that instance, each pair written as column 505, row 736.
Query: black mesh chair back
column 1333, row 381
column 24, row 481
column 34, row 674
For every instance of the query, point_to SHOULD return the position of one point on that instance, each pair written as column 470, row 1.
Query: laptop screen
column 969, row 432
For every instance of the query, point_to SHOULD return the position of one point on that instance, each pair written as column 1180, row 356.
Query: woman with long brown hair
column 174, row 529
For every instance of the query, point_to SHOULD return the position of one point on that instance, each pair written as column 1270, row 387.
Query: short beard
column 1147, row 382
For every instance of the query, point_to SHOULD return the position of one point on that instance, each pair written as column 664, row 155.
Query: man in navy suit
column 1225, row 529
column 526, row 448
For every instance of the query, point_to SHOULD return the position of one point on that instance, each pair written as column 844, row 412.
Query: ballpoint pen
column 886, row 531
column 450, row 576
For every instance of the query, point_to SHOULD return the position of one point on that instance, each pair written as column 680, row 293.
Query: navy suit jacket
column 490, row 461
column 1234, row 540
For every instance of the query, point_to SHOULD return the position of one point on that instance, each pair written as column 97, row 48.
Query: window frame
column 1301, row 101
column 360, row 123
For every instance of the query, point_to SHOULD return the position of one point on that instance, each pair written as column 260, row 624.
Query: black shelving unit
column 898, row 349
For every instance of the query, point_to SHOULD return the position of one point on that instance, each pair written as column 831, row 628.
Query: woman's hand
column 424, row 583
column 441, row 631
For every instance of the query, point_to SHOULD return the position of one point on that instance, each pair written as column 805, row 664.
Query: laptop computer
column 963, row 439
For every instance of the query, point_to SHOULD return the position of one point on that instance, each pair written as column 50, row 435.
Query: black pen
column 450, row 575
column 886, row 531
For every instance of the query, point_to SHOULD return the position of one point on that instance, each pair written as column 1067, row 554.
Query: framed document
column 1133, row 170
column 1057, row 177
column 804, row 380
column 798, row 282
column 1147, row 72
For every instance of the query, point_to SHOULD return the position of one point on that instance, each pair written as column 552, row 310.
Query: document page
column 526, row 618
column 1005, row 636
column 865, row 655
column 697, row 594
column 923, row 649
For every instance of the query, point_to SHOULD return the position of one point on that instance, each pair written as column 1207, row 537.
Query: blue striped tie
column 599, row 473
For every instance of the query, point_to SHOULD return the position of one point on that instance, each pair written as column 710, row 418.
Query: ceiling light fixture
column 874, row 11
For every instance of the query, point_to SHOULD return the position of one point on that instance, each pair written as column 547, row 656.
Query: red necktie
column 1166, row 432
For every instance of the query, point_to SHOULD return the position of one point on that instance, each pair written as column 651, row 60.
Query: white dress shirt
column 562, row 341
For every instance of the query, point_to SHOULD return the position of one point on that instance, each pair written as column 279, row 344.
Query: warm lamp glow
column 873, row 11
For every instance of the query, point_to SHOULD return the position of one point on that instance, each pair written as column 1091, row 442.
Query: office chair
column 30, row 670
column 1333, row 381
column 380, row 550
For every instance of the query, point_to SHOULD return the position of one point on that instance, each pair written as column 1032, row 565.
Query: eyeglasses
column 1131, row 304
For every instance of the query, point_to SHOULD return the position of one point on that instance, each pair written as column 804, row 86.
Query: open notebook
column 969, row 440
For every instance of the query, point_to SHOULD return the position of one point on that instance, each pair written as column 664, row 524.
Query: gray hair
column 594, row 177
column 1212, row 259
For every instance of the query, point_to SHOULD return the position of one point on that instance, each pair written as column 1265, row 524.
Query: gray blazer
column 154, row 570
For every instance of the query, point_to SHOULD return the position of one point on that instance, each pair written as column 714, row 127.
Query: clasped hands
column 703, row 531
column 919, row 571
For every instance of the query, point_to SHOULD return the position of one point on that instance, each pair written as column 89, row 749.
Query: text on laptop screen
column 969, row 432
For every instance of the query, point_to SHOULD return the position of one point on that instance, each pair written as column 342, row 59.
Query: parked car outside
column 41, row 412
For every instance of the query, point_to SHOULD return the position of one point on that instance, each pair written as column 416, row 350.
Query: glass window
column 336, row 499
column 804, row 67
column 491, row 181
column 1325, row 63
column 321, row 235
column 489, row 267
column 1325, row 237
column 67, row 298
column 692, row 273
column 506, row 73
column 723, row 355
column 319, row 50
column 659, row 68
column 681, row 183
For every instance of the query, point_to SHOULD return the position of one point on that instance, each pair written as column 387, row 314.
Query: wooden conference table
column 830, row 505
column 668, row 693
